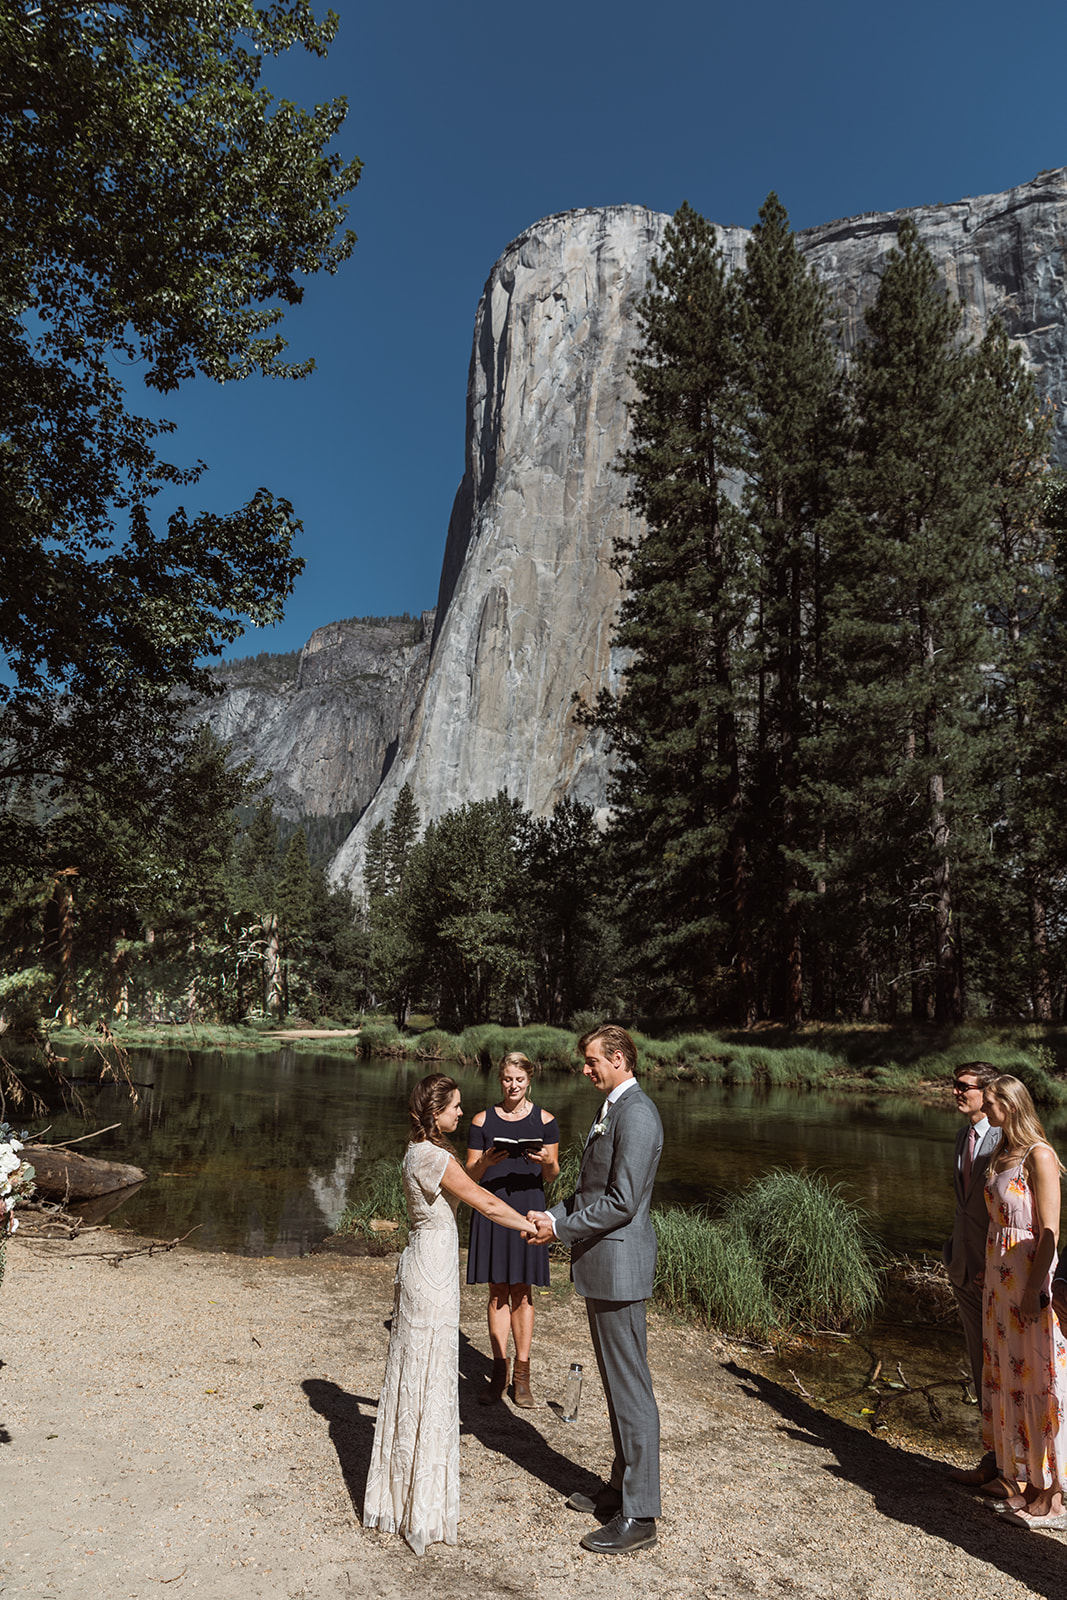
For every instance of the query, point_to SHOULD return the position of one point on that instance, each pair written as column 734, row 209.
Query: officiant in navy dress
column 503, row 1260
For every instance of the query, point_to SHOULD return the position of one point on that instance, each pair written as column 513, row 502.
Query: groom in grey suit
column 613, row 1261
column 964, row 1253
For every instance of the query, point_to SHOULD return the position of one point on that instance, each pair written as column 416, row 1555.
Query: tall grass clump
column 436, row 1045
column 380, row 1039
column 552, row 1048
column 570, row 1161
column 485, row 1044
column 815, row 1249
column 710, row 1273
column 380, row 1194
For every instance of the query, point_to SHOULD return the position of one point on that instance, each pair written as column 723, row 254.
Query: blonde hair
column 1022, row 1125
column 515, row 1058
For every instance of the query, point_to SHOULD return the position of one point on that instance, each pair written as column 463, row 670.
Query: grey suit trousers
column 617, row 1329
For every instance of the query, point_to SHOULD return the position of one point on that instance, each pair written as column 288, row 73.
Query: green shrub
column 436, row 1045
column 709, row 1272
column 379, row 1194
column 484, row 1045
column 817, row 1254
column 379, row 1039
column 551, row 1048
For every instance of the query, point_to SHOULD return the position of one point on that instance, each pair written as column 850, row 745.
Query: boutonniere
column 598, row 1128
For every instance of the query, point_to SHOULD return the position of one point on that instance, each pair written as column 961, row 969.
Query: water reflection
column 260, row 1152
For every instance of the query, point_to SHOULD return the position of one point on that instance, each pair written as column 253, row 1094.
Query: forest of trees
column 841, row 741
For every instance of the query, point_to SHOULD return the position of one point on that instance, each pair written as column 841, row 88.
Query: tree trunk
column 272, row 987
column 1040, row 977
column 65, row 940
column 118, row 988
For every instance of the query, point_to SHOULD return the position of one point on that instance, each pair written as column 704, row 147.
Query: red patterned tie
column 968, row 1158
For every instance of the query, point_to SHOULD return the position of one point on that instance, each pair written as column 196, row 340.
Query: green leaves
column 161, row 212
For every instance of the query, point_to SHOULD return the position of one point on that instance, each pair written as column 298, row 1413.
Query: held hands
column 542, row 1223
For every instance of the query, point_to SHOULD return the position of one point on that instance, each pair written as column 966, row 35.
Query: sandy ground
column 190, row 1423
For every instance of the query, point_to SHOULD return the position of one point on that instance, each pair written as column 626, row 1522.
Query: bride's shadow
column 497, row 1427
column 351, row 1420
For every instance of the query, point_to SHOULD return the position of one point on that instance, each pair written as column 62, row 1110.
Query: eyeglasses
column 966, row 1088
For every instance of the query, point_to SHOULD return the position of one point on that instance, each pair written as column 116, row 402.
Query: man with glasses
column 964, row 1253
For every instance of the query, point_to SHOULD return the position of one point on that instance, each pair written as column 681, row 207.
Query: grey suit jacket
column 964, row 1253
column 606, row 1221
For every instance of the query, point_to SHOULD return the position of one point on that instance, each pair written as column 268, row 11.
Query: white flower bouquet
column 16, row 1182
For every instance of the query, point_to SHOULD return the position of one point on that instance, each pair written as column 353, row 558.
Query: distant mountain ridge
column 326, row 721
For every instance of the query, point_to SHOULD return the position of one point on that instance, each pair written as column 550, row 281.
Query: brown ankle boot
column 497, row 1383
column 521, row 1374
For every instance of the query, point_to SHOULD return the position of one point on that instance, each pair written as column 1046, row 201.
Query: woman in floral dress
column 1024, row 1376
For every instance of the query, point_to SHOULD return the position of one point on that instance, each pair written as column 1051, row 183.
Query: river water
column 259, row 1152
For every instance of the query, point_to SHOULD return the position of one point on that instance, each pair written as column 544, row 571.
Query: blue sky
column 474, row 120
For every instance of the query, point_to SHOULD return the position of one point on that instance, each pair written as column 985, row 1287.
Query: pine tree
column 912, row 565
column 294, row 907
column 792, row 435
column 395, row 959
column 678, row 832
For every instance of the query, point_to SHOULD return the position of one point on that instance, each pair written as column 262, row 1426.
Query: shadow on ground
column 912, row 1488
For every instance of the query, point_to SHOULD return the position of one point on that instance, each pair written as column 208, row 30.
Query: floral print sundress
column 1024, row 1372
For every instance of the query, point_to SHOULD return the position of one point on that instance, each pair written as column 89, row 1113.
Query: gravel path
column 200, row 1424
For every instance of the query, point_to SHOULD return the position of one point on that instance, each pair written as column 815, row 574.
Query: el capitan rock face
column 528, row 598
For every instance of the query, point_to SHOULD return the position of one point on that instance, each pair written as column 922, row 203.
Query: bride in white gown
column 413, row 1482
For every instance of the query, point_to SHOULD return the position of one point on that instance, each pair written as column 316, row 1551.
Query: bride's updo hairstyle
column 428, row 1099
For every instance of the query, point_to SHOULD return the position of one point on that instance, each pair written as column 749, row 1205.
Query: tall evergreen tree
column 911, row 560
column 792, row 435
column 678, row 831
column 395, row 958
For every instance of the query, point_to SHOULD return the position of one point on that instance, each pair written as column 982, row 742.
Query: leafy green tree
column 395, row 958
column 567, row 928
column 678, row 833
column 160, row 214
column 462, row 912
column 336, row 954
column 1019, row 888
column 259, row 923
column 294, row 909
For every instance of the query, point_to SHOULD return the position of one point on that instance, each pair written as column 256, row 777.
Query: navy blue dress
column 496, row 1254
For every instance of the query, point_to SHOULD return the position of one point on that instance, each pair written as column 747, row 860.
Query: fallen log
column 65, row 1175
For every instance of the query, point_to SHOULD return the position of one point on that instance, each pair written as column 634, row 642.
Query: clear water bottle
column 572, row 1393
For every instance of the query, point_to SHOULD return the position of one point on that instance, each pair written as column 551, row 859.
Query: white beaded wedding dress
column 413, row 1482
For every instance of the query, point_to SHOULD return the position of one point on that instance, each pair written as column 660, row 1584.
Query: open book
column 517, row 1147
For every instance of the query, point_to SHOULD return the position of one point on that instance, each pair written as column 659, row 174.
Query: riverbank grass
column 788, row 1254
column 887, row 1059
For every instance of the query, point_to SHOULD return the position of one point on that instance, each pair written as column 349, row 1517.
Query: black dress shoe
column 604, row 1503
column 621, row 1535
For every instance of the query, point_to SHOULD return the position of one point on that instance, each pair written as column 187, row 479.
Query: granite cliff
column 527, row 596
column 327, row 720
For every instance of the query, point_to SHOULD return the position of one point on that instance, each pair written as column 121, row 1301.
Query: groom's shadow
column 498, row 1427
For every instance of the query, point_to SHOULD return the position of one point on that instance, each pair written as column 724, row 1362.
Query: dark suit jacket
column 964, row 1253
column 606, row 1220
